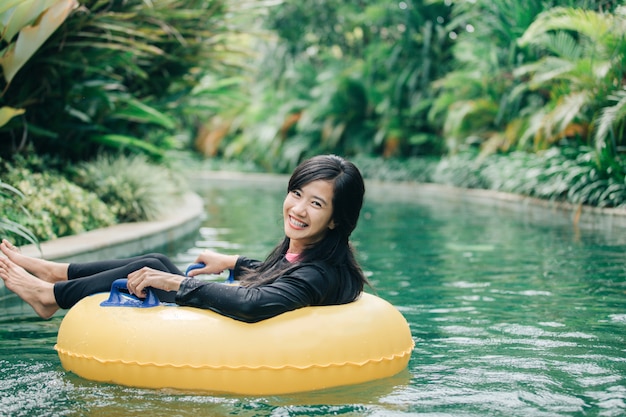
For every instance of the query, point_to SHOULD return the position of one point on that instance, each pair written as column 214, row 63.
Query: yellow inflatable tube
column 193, row 349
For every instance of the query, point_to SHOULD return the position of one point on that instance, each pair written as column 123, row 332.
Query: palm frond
column 562, row 44
column 568, row 108
column 611, row 121
column 545, row 71
column 596, row 26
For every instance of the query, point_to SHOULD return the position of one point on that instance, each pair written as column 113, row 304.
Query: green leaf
column 5, row 186
column 7, row 113
column 123, row 141
column 10, row 226
column 134, row 110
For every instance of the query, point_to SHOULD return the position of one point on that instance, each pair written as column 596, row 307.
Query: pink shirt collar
column 292, row 257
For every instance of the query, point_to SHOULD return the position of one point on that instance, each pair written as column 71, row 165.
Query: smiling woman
column 308, row 215
column 314, row 265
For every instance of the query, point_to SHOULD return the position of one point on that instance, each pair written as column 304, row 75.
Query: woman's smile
column 296, row 223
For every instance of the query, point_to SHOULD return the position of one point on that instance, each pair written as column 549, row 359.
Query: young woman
column 314, row 265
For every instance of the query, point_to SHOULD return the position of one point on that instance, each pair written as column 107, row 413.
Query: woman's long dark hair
column 334, row 248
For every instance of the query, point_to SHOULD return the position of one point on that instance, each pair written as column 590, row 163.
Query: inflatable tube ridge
column 389, row 358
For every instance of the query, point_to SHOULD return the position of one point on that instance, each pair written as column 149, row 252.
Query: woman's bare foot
column 37, row 293
column 46, row 270
column 10, row 246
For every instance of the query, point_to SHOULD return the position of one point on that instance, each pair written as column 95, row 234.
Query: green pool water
column 513, row 313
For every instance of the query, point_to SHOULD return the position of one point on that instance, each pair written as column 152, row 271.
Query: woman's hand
column 146, row 277
column 215, row 263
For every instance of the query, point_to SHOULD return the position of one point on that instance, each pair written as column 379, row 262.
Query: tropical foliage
column 48, row 200
column 556, row 80
column 114, row 75
column 557, row 174
column 83, row 78
column 475, row 100
column 461, row 85
column 582, row 75
column 342, row 77
column 427, row 78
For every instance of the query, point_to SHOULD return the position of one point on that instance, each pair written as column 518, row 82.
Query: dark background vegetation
column 519, row 96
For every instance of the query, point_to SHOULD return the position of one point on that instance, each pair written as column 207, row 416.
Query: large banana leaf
column 30, row 38
column 22, row 15
column 5, row 6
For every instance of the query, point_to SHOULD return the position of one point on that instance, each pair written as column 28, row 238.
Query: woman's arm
column 214, row 263
column 303, row 287
column 146, row 277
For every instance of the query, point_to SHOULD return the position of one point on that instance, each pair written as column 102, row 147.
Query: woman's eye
column 296, row 193
column 317, row 204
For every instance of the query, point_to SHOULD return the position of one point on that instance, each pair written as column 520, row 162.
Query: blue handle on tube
column 118, row 298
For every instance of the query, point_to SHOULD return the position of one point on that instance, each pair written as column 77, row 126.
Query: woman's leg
column 87, row 269
column 46, row 270
column 46, row 298
column 68, row 293
column 53, row 272
column 37, row 293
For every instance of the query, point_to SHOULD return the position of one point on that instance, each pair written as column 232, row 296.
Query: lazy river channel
column 513, row 314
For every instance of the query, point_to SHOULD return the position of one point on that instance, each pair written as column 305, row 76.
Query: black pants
column 89, row 278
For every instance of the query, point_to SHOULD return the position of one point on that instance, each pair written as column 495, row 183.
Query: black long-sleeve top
column 307, row 284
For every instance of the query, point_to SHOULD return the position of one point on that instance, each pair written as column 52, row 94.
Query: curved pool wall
column 136, row 238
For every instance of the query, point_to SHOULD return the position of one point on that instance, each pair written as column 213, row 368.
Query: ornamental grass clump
column 11, row 207
column 132, row 187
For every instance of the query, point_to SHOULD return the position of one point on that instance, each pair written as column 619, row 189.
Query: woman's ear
column 331, row 225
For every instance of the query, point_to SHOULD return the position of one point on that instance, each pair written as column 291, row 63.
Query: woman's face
column 307, row 214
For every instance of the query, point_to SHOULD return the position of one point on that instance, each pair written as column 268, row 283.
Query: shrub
column 409, row 169
column 58, row 207
column 561, row 174
column 133, row 189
